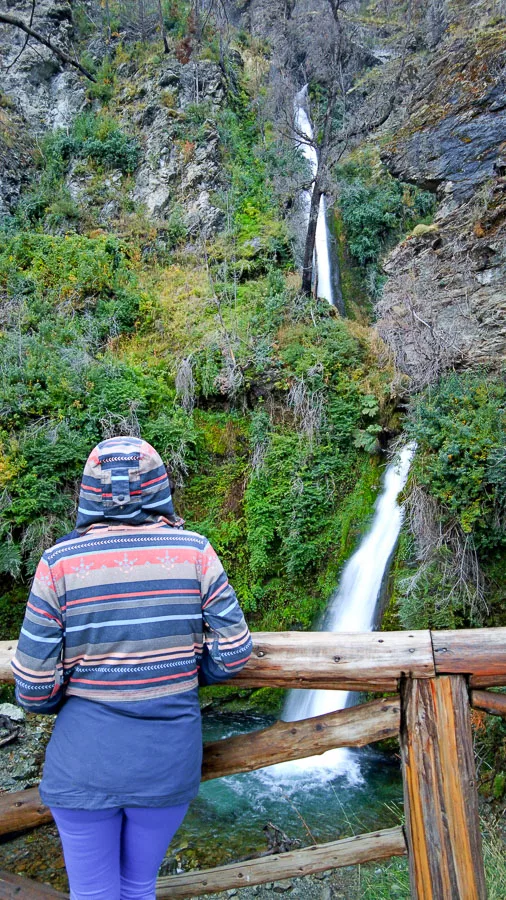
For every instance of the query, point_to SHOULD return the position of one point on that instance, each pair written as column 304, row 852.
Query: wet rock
column 21, row 761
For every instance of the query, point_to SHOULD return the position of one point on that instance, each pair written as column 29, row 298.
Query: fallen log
column 490, row 702
column 15, row 887
column 353, row 727
column 294, row 864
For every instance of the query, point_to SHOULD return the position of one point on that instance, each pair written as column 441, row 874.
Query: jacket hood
column 124, row 482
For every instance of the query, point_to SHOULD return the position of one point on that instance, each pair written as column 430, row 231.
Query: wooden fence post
column 440, row 797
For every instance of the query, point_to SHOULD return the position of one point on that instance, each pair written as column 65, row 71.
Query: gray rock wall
column 444, row 303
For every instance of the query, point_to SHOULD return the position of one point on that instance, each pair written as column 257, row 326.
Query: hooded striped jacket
column 122, row 612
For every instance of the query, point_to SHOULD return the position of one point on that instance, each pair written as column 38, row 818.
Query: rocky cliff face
column 46, row 95
column 16, row 158
column 39, row 95
column 173, row 167
column 444, row 302
column 35, row 93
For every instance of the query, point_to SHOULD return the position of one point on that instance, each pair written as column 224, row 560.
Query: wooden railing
column 436, row 676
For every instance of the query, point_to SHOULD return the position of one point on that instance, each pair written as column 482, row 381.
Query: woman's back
column 121, row 621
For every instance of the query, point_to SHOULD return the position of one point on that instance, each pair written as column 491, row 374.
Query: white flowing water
column 352, row 608
column 321, row 255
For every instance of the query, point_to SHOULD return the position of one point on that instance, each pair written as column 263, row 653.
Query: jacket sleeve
column 227, row 641
column 37, row 666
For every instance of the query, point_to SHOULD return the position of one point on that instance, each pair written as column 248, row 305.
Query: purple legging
column 115, row 854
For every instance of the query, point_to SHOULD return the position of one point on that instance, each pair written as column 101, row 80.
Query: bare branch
column 27, row 38
column 18, row 23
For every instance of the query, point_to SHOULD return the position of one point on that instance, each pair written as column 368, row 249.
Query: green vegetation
column 390, row 881
column 264, row 404
column 460, row 429
column 95, row 141
column 376, row 211
column 453, row 576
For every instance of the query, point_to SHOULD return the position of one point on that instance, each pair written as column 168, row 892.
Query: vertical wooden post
column 440, row 798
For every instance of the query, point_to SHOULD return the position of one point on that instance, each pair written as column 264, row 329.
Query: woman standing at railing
column 126, row 616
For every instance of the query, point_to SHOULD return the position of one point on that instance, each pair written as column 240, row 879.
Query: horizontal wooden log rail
column 353, row 727
column 480, row 652
column 371, row 661
column 294, row 864
column 489, row 702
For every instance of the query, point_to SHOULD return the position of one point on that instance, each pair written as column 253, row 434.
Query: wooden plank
column 370, row 661
column 352, row 727
column 22, row 810
column 476, row 651
column 294, row 864
column 440, row 798
column 14, row 887
column 490, row 702
column 349, row 661
column 7, row 651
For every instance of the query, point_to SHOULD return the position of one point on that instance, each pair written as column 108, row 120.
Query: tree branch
column 18, row 23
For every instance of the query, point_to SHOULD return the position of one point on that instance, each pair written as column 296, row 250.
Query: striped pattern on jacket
column 126, row 613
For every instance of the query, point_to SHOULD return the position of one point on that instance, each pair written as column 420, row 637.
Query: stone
column 282, row 887
column 14, row 713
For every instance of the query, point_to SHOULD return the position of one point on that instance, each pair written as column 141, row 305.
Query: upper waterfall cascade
column 322, row 256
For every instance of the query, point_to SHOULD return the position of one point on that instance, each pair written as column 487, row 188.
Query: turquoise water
column 354, row 792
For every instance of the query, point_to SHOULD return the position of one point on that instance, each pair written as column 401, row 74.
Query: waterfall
column 322, row 256
column 352, row 608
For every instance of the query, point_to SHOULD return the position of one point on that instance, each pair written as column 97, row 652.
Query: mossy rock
column 421, row 229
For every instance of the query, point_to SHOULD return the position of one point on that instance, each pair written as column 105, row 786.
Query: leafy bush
column 93, row 137
column 450, row 572
column 376, row 211
column 460, row 428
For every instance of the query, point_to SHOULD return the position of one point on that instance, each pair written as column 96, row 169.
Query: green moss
column 499, row 786
column 357, row 303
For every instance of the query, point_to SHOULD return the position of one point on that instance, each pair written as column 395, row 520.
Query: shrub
column 95, row 137
column 376, row 210
column 460, row 428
